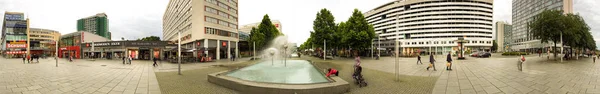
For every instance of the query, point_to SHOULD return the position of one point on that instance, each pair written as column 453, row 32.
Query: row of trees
column 265, row 32
column 355, row 33
column 551, row 25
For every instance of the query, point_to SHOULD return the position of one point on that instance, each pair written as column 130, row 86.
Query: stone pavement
column 499, row 74
column 81, row 76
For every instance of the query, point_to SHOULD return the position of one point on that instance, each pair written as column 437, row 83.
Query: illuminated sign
column 16, row 45
column 16, row 52
column 224, row 44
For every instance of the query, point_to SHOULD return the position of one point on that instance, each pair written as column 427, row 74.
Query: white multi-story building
column 523, row 12
column 208, row 27
column 433, row 25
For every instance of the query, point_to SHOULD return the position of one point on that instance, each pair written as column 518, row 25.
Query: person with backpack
column 520, row 64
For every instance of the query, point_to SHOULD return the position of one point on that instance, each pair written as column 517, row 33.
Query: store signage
column 16, row 46
column 13, row 17
column 197, row 43
column 224, row 44
column 186, row 37
column 63, row 48
column 105, row 44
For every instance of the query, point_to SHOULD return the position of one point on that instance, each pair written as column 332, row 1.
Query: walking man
column 24, row 59
column 28, row 58
column 449, row 59
column 123, row 59
column 419, row 59
column 432, row 61
column 130, row 60
column 520, row 64
column 154, row 62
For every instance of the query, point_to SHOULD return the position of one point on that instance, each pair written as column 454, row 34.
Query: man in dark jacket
column 431, row 60
column 449, row 59
column 419, row 59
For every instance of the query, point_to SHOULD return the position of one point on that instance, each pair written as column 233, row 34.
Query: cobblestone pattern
column 80, row 77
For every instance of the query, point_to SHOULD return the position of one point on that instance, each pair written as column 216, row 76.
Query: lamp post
column 179, row 53
column 254, row 50
column 56, row 53
column 561, row 46
column 396, row 60
column 324, row 49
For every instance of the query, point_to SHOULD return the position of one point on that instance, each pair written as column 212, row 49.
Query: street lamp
column 179, row 52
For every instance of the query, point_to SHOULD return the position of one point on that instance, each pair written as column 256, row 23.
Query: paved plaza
column 494, row 75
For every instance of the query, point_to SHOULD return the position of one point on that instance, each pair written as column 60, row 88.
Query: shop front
column 74, row 51
column 139, row 50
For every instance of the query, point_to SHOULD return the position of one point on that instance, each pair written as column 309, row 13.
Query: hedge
column 514, row 53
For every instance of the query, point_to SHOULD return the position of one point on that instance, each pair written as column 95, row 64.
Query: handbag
column 430, row 65
column 448, row 64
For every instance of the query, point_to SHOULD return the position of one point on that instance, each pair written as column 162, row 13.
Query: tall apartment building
column 523, row 12
column 503, row 35
column 208, row 27
column 97, row 24
column 43, row 41
column 15, row 30
column 433, row 25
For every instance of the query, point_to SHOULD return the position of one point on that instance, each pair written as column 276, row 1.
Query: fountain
column 279, row 77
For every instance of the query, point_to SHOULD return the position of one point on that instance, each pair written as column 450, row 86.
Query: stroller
column 358, row 77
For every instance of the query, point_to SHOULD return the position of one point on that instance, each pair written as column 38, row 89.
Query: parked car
column 475, row 54
column 484, row 54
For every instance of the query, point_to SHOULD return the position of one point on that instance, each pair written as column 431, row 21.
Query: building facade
column 43, row 41
column 97, row 24
column 15, row 30
column 248, row 27
column 211, row 28
column 423, row 26
column 503, row 36
column 139, row 50
column 523, row 12
column 70, row 44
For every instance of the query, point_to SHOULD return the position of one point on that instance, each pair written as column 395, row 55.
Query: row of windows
column 220, row 13
column 221, row 22
column 224, row 6
column 419, row 16
column 408, row 6
column 43, row 36
column 432, row 28
column 383, row 16
column 470, row 19
column 214, row 31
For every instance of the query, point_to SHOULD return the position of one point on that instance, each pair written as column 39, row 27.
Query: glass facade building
column 523, row 12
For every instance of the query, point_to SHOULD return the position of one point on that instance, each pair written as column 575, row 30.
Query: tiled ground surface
column 81, row 76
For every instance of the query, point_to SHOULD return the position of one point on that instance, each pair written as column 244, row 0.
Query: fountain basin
column 295, row 77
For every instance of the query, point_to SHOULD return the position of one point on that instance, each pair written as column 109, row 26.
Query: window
column 223, row 14
column 233, row 26
column 232, row 2
column 212, row 1
column 224, row 23
column 211, row 10
column 211, row 19
column 223, row 6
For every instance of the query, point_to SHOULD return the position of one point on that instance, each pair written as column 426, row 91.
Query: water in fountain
column 278, row 49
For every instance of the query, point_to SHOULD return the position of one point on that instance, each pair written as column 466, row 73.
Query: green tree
column 150, row 38
column 360, row 33
column 548, row 26
column 494, row 46
column 265, row 32
column 257, row 37
column 324, row 27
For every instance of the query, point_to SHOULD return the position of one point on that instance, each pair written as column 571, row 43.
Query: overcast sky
column 134, row 19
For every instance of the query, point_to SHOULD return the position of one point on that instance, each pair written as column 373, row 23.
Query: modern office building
column 70, row 44
column 248, row 27
column 97, row 24
column 43, row 41
column 210, row 29
column 423, row 26
column 503, row 36
column 15, row 30
column 523, row 12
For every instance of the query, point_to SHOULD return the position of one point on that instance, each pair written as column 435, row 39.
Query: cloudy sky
column 134, row 19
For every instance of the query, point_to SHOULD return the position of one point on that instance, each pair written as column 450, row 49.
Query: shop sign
column 105, row 44
column 16, row 45
column 16, row 52
column 63, row 48
column 224, row 44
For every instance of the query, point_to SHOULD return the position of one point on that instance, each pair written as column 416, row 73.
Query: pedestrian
column 37, row 58
column 28, row 58
column 130, row 60
column 24, row 59
column 154, row 62
column 548, row 53
column 432, row 61
column 449, row 64
column 520, row 64
column 123, row 58
column 356, row 60
column 419, row 59
column 594, row 59
column 540, row 53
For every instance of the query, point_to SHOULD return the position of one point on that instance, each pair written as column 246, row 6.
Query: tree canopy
column 265, row 32
column 150, row 38
column 323, row 26
column 549, row 25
